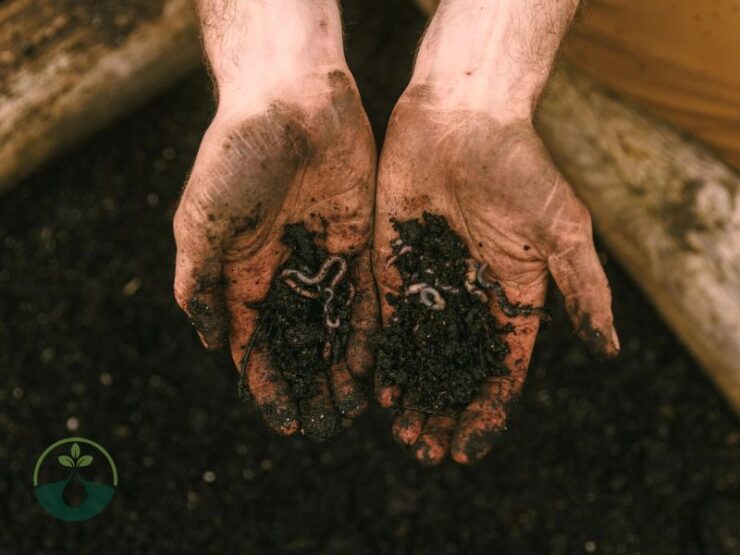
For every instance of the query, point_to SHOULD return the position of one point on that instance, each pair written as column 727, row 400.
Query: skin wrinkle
column 289, row 134
column 499, row 216
column 551, row 195
column 492, row 54
column 470, row 101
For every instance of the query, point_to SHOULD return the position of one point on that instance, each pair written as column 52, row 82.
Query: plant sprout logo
column 73, row 498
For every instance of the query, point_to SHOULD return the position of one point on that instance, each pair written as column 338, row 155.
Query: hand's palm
column 498, row 189
column 311, row 163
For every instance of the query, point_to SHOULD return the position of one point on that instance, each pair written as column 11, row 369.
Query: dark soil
column 638, row 455
column 296, row 329
column 439, row 356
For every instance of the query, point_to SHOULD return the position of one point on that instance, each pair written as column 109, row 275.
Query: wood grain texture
column 668, row 209
column 69, row 67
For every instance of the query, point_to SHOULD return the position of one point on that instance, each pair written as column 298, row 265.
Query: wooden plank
column 668, row 209
column 69, row 67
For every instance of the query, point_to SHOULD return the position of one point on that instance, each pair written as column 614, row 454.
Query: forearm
column 494, row 55
column 261, row 43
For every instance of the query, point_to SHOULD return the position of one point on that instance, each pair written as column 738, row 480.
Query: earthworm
column 416, row 288
column 243, row 388
column 507, row 307
column 446, row 288
column 321, row 274
column 432, row 298
column 473, row 290
column 350, row 294
column 327, row 349
column 404, row 250
column 470, row 278
column 471, row 273
column 341, row 273
column 329, row 297
column 307, row 293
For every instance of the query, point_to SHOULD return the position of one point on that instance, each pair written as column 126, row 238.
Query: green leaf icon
column 75, row 451
column 85, row 460
column 64, row 460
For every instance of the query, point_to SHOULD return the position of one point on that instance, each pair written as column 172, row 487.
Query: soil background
column 640, row 455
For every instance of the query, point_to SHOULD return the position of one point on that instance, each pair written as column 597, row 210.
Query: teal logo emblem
column 74, row 479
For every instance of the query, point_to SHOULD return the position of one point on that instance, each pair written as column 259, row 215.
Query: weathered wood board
column 69, row 67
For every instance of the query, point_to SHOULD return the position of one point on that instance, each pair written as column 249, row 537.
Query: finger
column 198, row 280
column 408, row 426
column 348, row 397
column 386, row 275
column 484, row 418
column 432, row 445
column 388, row 281
column 364, row 319
column 581, row 279
column 520, row 326
column 318, row 418
column 271, row 394
column 241, row 173
column 388, row 396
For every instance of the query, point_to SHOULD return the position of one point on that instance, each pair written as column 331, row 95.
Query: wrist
column 262, row 45
column 491, row 55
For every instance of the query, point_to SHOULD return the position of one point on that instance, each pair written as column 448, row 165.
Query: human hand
column 477, row 161
column 290, row 143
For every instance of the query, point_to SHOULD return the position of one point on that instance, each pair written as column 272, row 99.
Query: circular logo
column 74, row 479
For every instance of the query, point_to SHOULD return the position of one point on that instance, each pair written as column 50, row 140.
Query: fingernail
column 388, row 397
column 211, row 344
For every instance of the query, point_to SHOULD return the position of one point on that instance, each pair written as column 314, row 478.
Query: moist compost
column 442, row 341
column 639, row 455
column 304, row 319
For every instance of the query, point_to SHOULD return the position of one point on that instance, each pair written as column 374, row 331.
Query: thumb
column 198, row 279
column 581, row 279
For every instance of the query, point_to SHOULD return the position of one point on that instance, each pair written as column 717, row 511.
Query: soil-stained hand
column 499, row 190
column 305, row 154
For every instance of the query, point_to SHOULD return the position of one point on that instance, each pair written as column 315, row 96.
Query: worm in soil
column 321, row 274
column 432, row 298
column 392, row 260
column 507, row 307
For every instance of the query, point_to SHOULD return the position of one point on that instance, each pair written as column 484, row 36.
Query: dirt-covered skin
column 461, row 143
column 311, row 163
column 500, row 192
column 304, row 324
column 289, row 143
column 442, row 341
column 637, row 455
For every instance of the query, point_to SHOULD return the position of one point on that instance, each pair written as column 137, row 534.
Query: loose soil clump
column 304, row 319
column 442, row 341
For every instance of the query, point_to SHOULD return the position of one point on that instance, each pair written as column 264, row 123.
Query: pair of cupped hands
column 304, row 152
